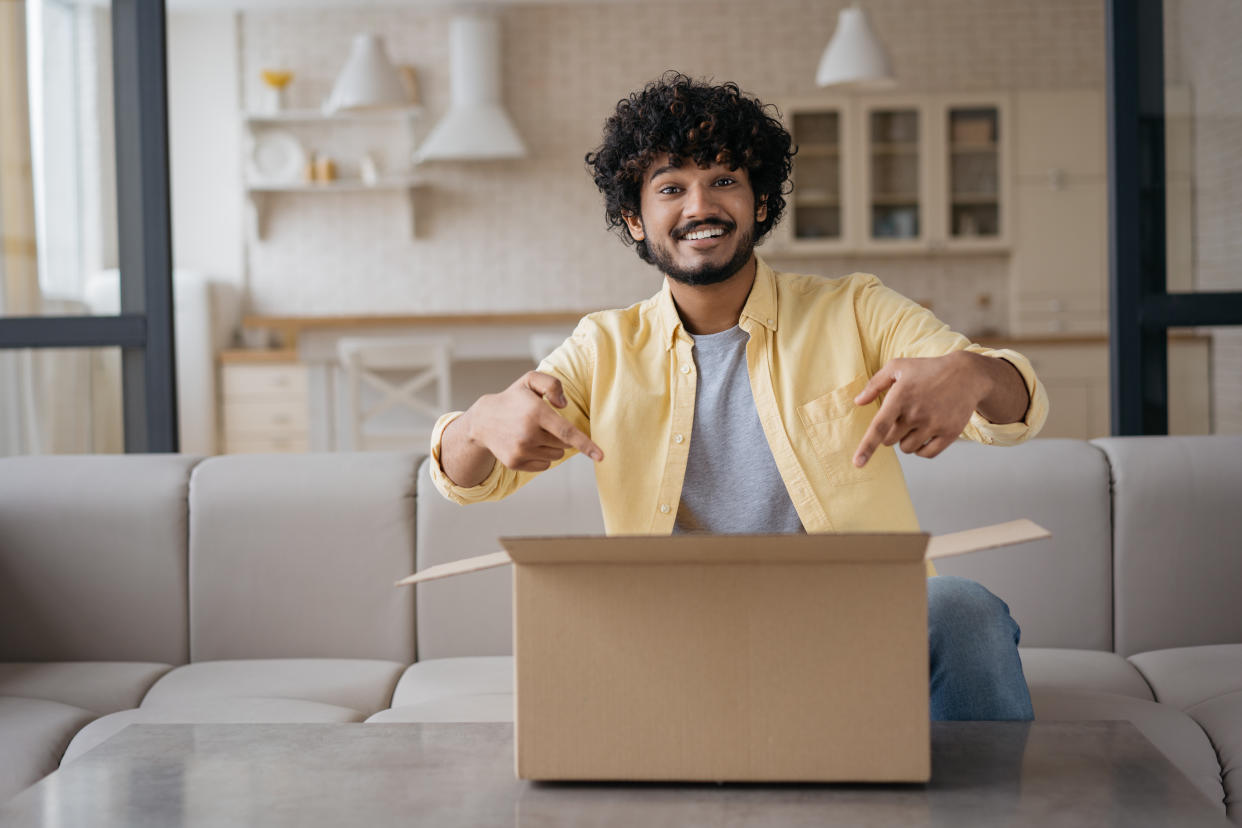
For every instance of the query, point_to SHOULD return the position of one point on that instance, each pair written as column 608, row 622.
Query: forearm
column 465, row 462
column 1006, row 399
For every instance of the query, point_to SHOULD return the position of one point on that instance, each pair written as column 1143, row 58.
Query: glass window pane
column 57, row 179
column 817, row 199
column 1203, row 145
column 60, row 401
column 974, row 172
column 894, row 169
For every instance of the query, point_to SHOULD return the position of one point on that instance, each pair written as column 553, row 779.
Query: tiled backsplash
column 529, row 234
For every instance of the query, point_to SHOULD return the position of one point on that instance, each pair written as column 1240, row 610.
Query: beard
column 707, row 273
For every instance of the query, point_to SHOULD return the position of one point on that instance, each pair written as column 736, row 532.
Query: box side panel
column 726, row 672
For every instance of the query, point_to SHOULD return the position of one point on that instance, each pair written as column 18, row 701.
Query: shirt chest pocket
column 835, row 426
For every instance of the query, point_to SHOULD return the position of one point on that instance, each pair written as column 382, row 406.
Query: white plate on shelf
column 276, row 157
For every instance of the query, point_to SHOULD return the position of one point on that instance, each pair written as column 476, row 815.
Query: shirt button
column 685, row 369
column 771, row 321
column 665, row 508
column 678, row 438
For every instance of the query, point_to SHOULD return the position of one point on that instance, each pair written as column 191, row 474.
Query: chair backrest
column 396, row 387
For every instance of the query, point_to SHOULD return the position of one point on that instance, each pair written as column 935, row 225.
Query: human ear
column 761, row 212
column 635, row 226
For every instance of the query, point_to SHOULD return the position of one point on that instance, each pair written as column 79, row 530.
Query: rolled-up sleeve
column 899, row 327
column 1008, row 434
column 570, row 363
column 489, row 489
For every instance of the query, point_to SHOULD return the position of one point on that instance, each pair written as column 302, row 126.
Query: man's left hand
column 929, row 401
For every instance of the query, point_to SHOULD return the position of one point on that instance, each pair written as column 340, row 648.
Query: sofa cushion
column 1059, row 590
column 493, row 707
column 209, row 711
column 98, row 686
column 93, row 551
column 1186, row 676
column 1094, row 670
column 473, row 615
column 357, row 684
column 1221, row 718
column 1177, row 736
column 467, row 689
column 1177, row 524
column 36, row 732
column 448, row 678
column 296, row 555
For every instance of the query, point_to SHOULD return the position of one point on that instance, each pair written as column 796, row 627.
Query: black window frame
column 144, row 327
column 1141, row 309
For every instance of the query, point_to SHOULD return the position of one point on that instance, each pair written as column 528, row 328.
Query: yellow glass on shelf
column 276, row 80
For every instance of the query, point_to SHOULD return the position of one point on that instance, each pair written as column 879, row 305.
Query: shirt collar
column 760, row 305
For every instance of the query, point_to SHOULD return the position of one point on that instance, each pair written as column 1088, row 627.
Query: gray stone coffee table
column 1046, row 773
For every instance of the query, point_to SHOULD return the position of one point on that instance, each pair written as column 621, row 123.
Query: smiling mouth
column 703, row 233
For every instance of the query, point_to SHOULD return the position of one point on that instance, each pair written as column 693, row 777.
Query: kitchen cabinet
column 1075, row 374
column 1059, row 270
column 892, row 173
column 264, row 402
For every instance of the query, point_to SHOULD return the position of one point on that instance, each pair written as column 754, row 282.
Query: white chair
column 396, row 388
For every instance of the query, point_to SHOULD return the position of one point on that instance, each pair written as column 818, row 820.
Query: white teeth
column 704, row 234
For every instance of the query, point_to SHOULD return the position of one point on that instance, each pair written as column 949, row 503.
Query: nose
column 700, row 202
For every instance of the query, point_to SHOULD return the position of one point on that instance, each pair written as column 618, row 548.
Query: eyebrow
column 662, row 170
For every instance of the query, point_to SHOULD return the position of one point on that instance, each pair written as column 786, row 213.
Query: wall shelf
column 309, row 116
column 258, row 195
column 304, row 123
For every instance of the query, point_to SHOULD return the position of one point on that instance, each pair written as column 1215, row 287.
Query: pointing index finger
column 564, row 431
column 880, row 425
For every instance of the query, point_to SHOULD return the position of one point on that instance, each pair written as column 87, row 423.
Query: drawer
column 254, row 444
column 266, row 416
column 263, row 380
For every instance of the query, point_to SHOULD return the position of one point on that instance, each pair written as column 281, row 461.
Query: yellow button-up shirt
column 630, row 379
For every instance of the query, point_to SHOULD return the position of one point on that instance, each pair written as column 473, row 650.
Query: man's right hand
column 515, row 427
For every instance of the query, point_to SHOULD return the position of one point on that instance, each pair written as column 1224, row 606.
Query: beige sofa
column 259, row 589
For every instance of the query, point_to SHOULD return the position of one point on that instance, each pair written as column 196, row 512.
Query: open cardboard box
column 749, row 658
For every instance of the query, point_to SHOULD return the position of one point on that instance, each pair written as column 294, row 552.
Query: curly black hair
column 689, row 119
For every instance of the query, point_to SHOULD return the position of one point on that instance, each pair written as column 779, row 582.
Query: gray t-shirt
column 732, row 483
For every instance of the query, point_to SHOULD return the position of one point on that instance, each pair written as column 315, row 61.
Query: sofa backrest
column 93, row 558
column 1059, row 590
column 473, row 614
column 1177, row 540
column 294, row 556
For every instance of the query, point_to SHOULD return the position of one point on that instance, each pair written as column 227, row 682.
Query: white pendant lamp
column 855, row 57
column 476, row 127
column 368, row 81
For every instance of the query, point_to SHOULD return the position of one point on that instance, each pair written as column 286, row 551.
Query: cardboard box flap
column 719, row 549
column 858, row 547
column 985, row 537
column 445, row 570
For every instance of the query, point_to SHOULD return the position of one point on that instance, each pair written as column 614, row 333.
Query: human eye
column 669, row 189
column 725, row 181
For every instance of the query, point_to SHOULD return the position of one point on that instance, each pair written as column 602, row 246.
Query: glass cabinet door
column 974, row 197
column 817, row 195
column 895, row 174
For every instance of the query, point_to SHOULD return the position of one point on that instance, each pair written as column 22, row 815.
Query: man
column 739, row 399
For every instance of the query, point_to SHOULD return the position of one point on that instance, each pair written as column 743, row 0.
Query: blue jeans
column 975, row 670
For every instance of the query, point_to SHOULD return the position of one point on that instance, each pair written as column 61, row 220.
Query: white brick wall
column 529, row 235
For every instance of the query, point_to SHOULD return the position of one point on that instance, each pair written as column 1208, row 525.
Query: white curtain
column 44, row 394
